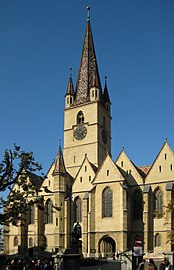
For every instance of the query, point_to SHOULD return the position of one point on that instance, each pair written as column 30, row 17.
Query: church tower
column 87, row 119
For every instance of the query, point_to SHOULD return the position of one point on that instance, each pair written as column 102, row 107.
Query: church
column 118, row 204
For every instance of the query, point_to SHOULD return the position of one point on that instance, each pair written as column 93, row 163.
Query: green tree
column 18, row 178
column 170, row 217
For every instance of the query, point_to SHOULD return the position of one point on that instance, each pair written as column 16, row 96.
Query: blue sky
column 134, row 42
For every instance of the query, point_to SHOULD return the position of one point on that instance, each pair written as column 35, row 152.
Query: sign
column 137, row 251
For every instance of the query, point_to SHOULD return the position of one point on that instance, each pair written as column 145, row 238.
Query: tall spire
column 88, row 67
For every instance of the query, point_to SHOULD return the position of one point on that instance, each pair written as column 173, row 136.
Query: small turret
column 69, row 97
column 106, row 99
column 59, row 163
column 95, row 90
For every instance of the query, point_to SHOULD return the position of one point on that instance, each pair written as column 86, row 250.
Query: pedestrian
column 142, row 265
column 151, row 265
column 162, row 266
column 168, row 265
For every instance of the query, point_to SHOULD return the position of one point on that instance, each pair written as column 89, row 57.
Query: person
column 167, row 264
column 151, row 265
column 142, row 265
column 162, row 266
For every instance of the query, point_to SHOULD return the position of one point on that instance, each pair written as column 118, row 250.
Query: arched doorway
column 107, row 246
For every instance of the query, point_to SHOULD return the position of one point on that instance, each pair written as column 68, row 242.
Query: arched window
column 15, row 241
column 157, row 240
column 30, row 242
column 158, row 203
column 31, row 214
column 137, row 204
column 78, row 209
column 80, row 118
column 107, row 202
column 49, row 211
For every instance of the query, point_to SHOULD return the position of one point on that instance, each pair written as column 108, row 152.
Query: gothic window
column 49, row 211
column 80, row 118
column 157, row 240
column 78, row 209
column 137, row 204
column 107, row 202
column 15, row 242
column 31, row 214
column 30, row 242
column 158, row 203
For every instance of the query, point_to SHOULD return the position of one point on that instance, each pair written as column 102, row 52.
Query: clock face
column 104, row 136
column 80, row 132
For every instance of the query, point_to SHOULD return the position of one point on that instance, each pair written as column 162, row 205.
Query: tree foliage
column 17, row 170
column 170, row 216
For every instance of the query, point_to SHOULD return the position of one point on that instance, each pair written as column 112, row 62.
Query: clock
column 80, row 132
column 104, row 136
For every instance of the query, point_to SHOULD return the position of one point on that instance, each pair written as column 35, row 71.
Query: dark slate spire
column 88, row 67
column 70, row 88
column 105, row 93
column 59, row 164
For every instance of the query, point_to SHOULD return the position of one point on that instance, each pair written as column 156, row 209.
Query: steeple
column 105, row 93
column 70, row 88
column 106, row 99
column 59, row 164
column 70, row 92
column 88, row 67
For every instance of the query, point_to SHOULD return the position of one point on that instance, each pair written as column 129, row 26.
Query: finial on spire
column 88, row 9
column 70, row 71
column 59, row 142
column 105, row 79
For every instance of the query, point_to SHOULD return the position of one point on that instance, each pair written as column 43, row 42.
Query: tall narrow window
column 157, row 240
column 137, row 204
column 158, row 203
column 31, row 214
column 80, row 118
column 15, row 242
column 30, row 242
column 104, row 121
column 49, row 211
column 107, row 202
column 78, row 209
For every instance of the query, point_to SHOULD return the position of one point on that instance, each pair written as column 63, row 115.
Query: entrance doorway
column 107, row 246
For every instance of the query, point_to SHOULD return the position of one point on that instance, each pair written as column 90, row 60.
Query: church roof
column 59, row 164
column 145, row 169
column 88, row 70
column 70, row 88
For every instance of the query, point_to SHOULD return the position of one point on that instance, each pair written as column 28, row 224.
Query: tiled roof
column 145, row 169
column 59, row 164
column 70, row 88
column 88, row 68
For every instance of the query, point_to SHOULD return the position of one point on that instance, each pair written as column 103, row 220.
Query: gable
column 163, row 166
column 108, row 172
column 128, row 169
column 84, row 177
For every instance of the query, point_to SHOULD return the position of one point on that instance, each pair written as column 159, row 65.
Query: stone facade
column 115, row 202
